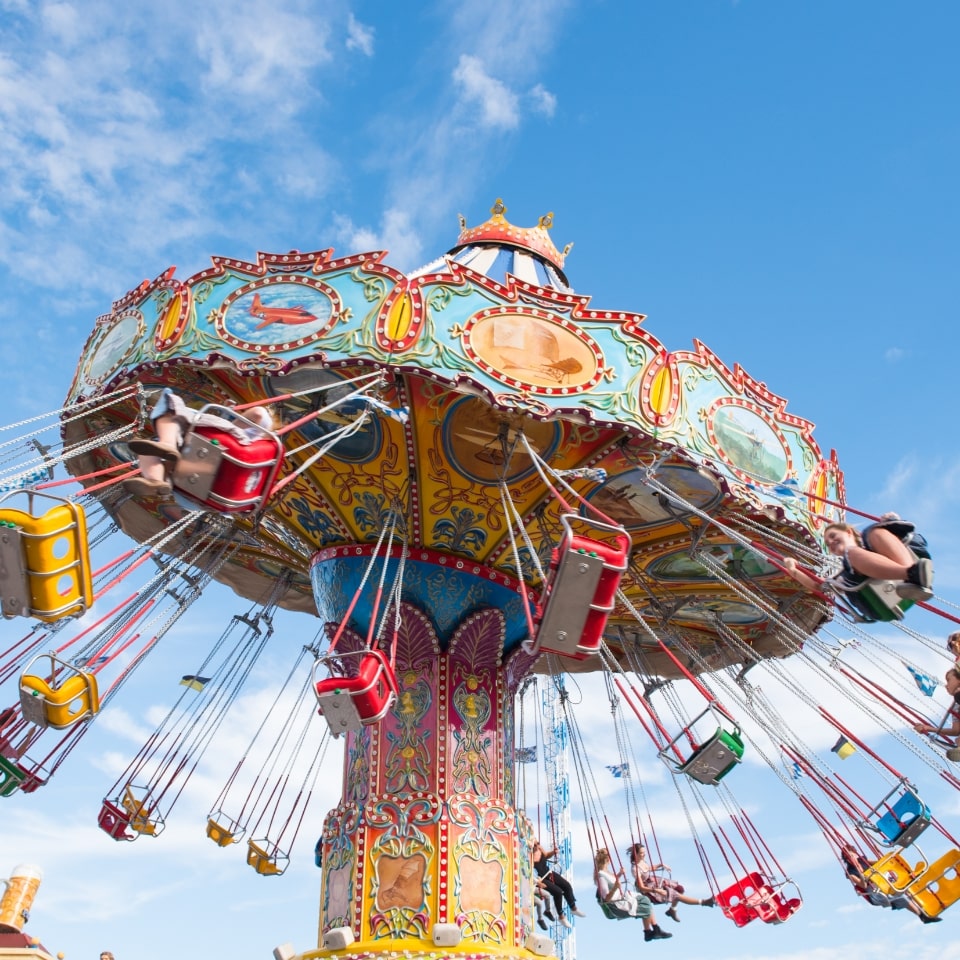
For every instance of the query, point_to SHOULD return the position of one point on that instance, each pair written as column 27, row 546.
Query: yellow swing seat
column 222, row 830
column 44, row 560
column 939, row 885
column 140, row 813
column 59, row 705
column 265, row 863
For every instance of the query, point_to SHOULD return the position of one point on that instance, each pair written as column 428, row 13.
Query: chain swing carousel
column 474, row 475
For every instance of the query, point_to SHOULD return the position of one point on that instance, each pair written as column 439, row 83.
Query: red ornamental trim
column 764, row 416
column 403, row 296
column 293, row 344
column 666, row 363
column 172, row 319
column 555, row 368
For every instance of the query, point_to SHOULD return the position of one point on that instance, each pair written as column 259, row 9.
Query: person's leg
column 564, row 884
column 890, row 559
column 554, row 890
column 155, row 456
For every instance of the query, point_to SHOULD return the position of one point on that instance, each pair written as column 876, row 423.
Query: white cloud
column 499, row 106
column 543, row 100
column 894, row 354
column 258, row 52
column 359, row 36
column 396, row 235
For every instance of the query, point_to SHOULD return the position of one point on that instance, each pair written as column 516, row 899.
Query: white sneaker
column 564, row 922
column 578, row 913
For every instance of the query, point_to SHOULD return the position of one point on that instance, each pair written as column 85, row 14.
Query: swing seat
column 349, row 703
column 220, row 472
column 893, row 874
column 12, row 775
column 904, row 822
column 711, row 760
column 755, row 898
column 58, row 704
column 266, row 864
column 581, row 589
column 875, row 601
column 139, row 813
column 937, row 887
column 614, row 913
column 44, row 562
column 222, row 835
column 114, row 820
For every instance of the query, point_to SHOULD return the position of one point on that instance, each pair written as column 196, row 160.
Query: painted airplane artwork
column 278, row 313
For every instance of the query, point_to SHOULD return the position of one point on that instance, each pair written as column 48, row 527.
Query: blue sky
column 776, row 179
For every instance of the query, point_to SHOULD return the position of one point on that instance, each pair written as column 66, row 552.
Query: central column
column 426, row 832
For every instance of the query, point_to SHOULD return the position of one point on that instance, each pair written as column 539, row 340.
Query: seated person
column 953, row 645
column 660, row 889
column 552, row 883
column 612, row 889
column 879, row 553
column 952, row 680
column 856, row 865
column 171, row 418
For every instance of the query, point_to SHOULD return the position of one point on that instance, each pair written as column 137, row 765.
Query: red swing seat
column 581, row 589
column 755, row 898
column 114, row 820
column 222, row 473
column 351, row 702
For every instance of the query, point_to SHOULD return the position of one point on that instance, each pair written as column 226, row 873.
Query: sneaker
column 672, row 914
column 919, row 582
column 953, row 754
column 564, row 922
column 658, row 934
column 709, row 902
column 548, row 913
column 541, row 923
column 926, row 918
column 154, row 448
column 142, row 487
column 578, row 913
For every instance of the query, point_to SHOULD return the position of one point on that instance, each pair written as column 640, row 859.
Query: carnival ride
column 480, row 485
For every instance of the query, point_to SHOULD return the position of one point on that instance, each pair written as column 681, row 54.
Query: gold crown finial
column 499, row 208
column 546, row 221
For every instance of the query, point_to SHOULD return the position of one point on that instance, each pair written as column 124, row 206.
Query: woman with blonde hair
column 614, row 891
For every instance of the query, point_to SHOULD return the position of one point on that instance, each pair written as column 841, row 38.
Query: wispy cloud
column 543, row 100
column 359, row 36
column 498, row 105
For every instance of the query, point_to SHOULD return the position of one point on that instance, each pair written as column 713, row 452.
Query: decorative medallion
column 479, row 442
column 532, row 349
column 279, row 313
column 748, row 440
column 174, row 313
column 113, row 345
column 319, row 389
column 628, row 498
column 736, row 560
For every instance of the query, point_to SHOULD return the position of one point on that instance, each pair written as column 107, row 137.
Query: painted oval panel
column 525, row 346
column 748, row 441
column 729, row 611
column 279, row 315
column 738, row 562
column 325, row 390
column 112, row 347
column 477, row 441
column 629, row 500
